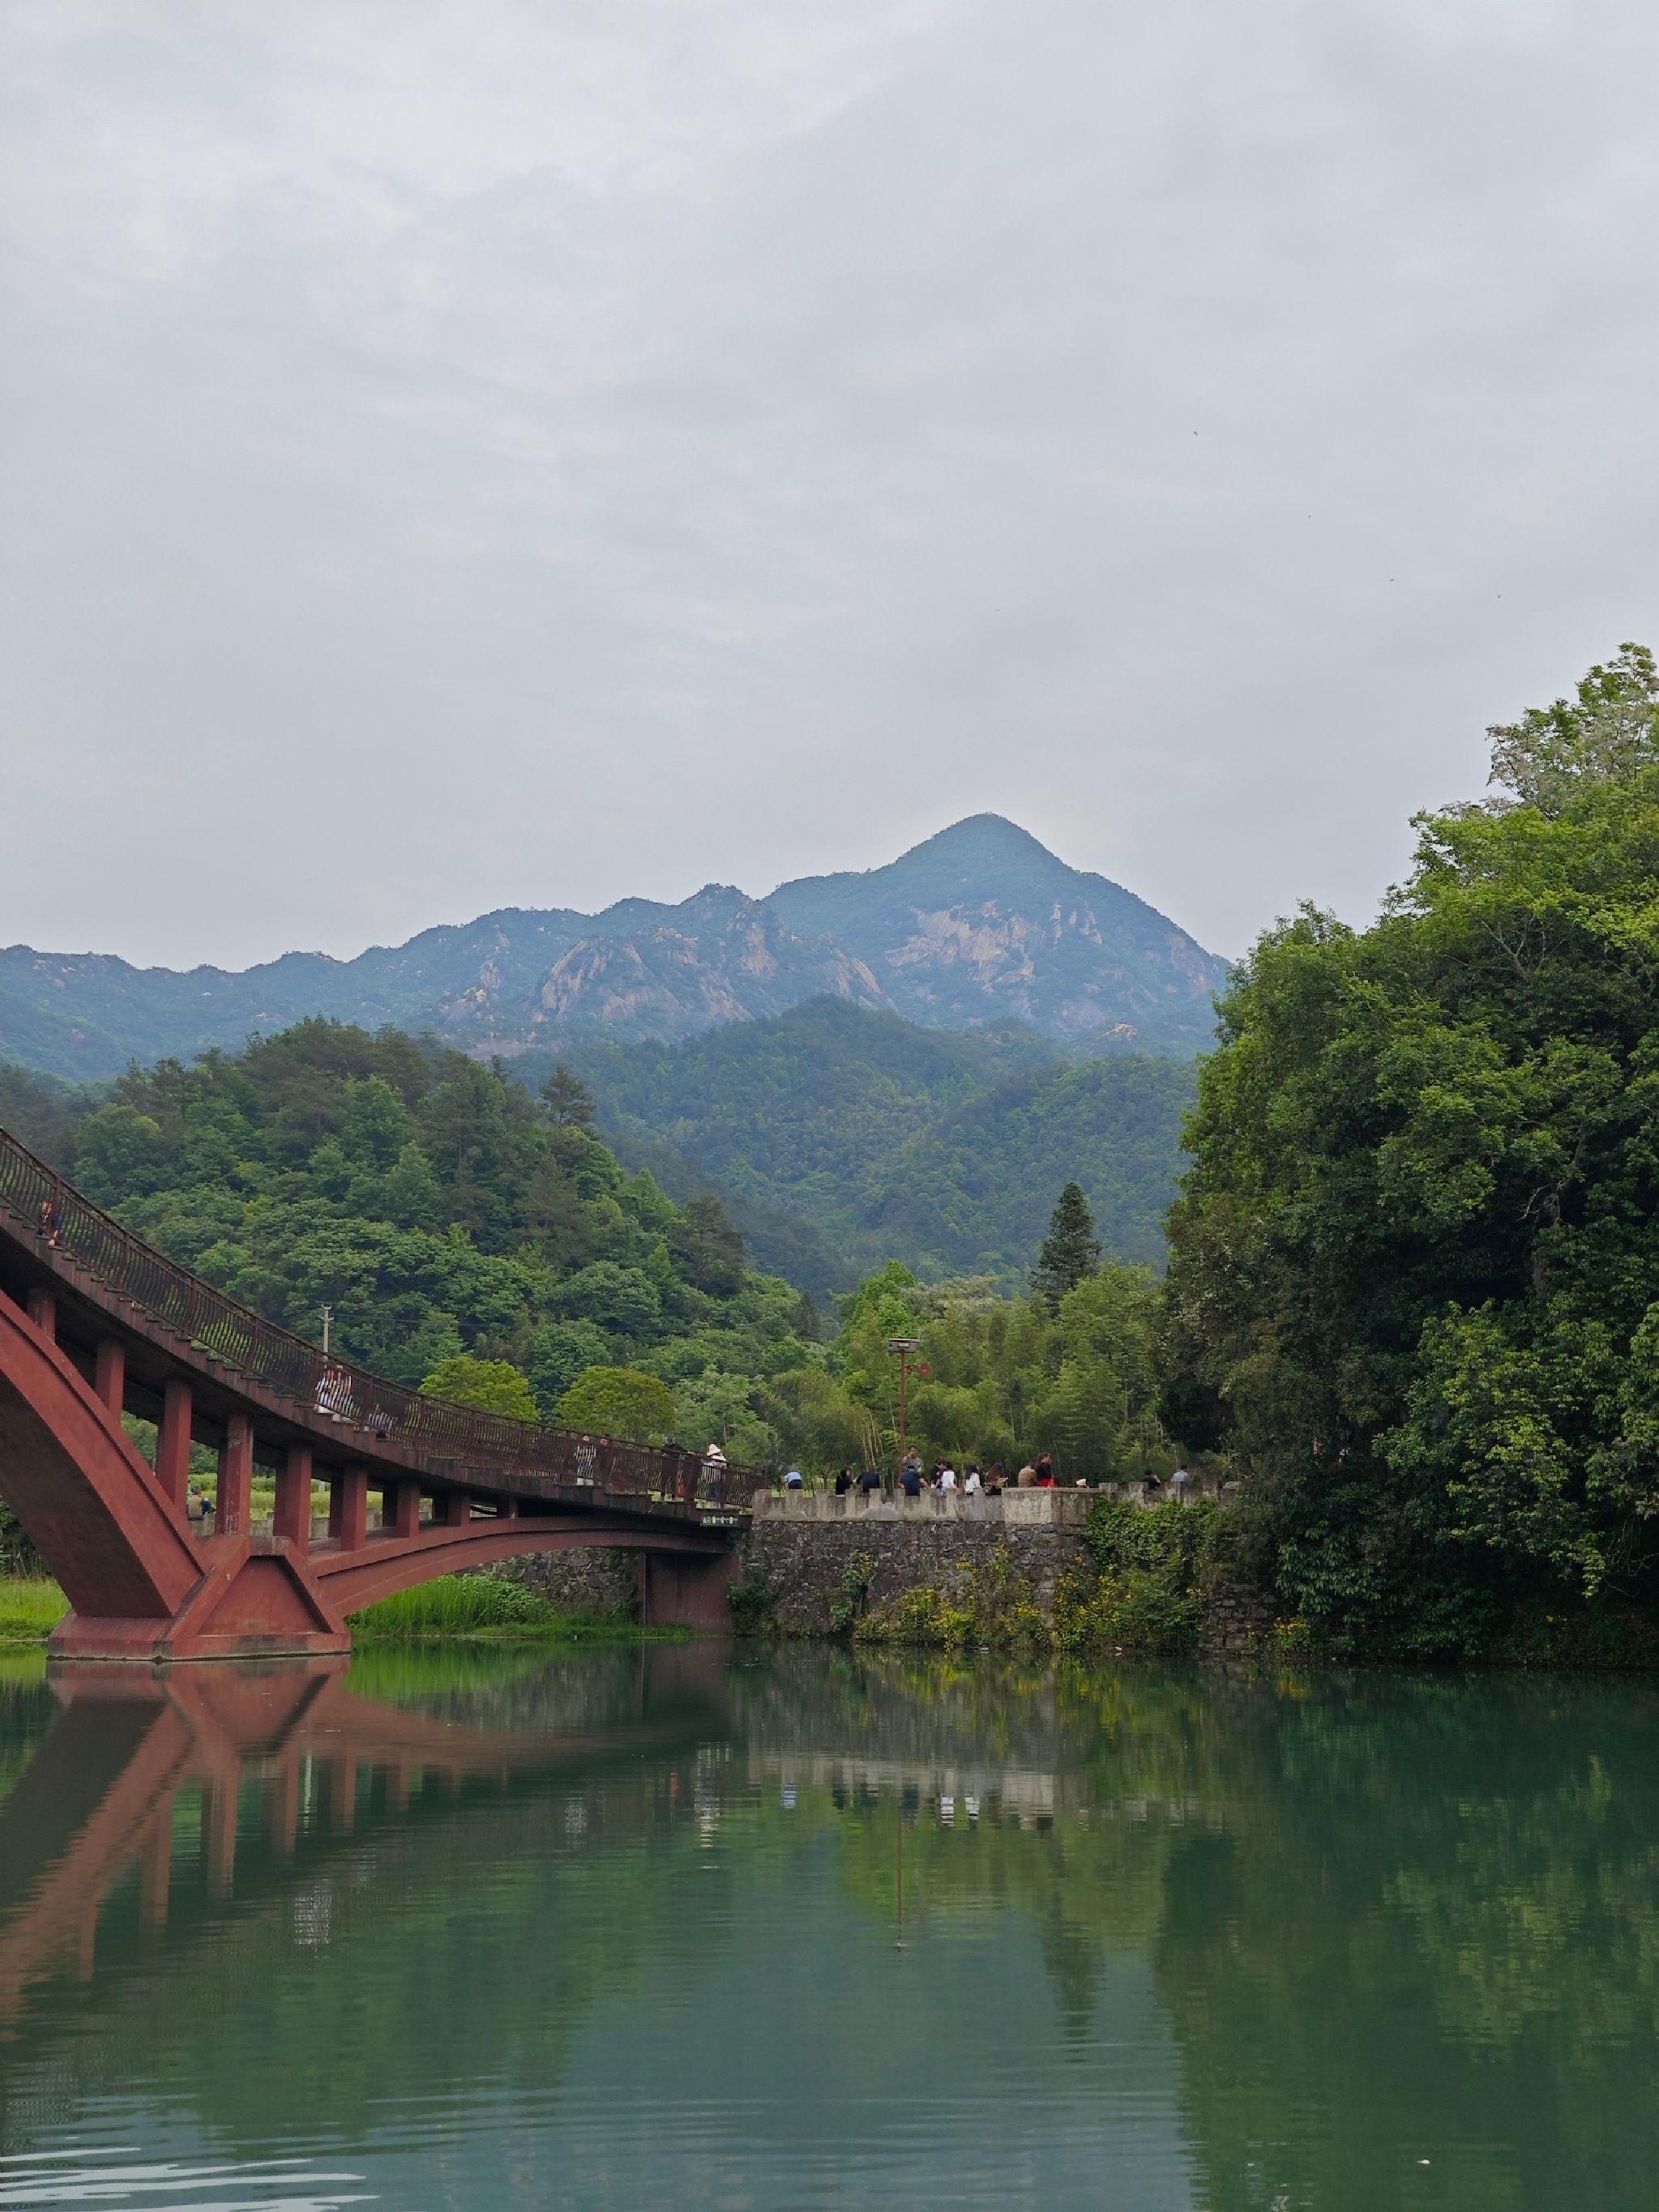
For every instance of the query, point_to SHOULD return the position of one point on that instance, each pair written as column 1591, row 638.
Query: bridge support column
column 677, row 1590
column 111, row 1375
column 43, row 1312
column 235, row 1478
column 348, row 1516
column 173, row 1442
column 400, row 1508
column 454, row 1509
column 292, row 1519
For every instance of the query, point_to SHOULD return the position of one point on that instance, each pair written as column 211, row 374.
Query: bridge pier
column 681, row 1590
column 173, row 1441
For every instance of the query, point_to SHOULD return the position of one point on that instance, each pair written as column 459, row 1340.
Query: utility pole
column 904, row 1345
column 328, row 1316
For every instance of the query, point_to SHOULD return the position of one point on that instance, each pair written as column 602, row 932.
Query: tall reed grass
column 478, row 1605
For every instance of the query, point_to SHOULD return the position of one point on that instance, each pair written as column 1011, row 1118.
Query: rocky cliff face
column 722, row 958
column 979, row 924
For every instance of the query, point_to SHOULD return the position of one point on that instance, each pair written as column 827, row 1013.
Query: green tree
column 619, row 1401
column 1607, row 732
column 1415, row 1264
column 1070, row 1250
column 568, row 1101
column 558, row 1353
column 493, row 1386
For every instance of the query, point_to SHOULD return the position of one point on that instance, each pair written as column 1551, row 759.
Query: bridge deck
column 114, row 1326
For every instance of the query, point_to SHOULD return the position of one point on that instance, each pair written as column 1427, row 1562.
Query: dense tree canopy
column 997, row 1379
column 619, row 1401
column 1414, row 1282
column 494, row 1386
column 842, row 1136
column 453, row 1223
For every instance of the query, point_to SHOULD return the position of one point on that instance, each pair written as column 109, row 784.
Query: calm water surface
column 674, row 1927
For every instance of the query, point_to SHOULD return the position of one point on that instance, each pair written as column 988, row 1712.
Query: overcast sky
column 529, row 452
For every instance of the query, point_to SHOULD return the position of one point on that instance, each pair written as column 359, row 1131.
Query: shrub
column 754, row 1608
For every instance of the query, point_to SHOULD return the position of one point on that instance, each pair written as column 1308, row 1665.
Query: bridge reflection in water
column 166, row 1774
column 462, row 1930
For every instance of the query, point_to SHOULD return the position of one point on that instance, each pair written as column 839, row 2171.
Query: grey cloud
column 524, row 455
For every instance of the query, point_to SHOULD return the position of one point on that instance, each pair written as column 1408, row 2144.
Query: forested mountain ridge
column 840, row 1138
column 979, row 924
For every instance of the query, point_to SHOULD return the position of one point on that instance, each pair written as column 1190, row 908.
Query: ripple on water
column 121, row 2176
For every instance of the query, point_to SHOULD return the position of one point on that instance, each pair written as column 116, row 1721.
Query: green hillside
column 435, row 1207
column 840, row 1137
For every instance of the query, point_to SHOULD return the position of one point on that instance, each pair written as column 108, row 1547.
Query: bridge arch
column 93, row 1324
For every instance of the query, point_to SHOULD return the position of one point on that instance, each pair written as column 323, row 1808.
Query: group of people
column 1037, row 1474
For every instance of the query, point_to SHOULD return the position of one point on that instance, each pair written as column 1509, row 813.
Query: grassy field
column 30, row 1609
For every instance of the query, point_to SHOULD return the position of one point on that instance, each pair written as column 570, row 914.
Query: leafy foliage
column 619, row 1401
column 1414, row 1282
column 457, row 1231
column 494, row 1386
column 996, row 1380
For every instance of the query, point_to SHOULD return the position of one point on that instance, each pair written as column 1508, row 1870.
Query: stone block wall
column 803, row 1560
column 589, row 1581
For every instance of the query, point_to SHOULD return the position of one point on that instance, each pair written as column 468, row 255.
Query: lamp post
column 905, row 1347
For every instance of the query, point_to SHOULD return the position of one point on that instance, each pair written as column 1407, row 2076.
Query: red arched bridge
column 94, row 1323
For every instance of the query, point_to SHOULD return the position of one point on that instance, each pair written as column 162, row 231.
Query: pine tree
column 568, row 1101
column 1070, row 1250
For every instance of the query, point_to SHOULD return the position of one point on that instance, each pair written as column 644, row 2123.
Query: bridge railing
column 240, row 1342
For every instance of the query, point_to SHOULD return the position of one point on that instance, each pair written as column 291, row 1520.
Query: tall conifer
column 1070, row 1250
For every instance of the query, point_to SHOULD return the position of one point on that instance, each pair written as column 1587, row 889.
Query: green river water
column 680, row 1927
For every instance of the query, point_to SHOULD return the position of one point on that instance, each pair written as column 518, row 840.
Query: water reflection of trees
column 1377, row 1912
column 1380, row 1911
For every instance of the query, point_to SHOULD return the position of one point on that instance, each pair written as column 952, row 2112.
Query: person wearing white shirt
column 947, row 1477
column 973, row 1482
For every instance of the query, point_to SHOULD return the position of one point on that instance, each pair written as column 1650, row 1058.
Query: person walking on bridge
column 713, row 1467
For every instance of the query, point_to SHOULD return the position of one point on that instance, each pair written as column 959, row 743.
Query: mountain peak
column 976, row 925
column 981, row 839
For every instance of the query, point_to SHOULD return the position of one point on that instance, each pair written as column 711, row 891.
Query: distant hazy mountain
column 980, row 925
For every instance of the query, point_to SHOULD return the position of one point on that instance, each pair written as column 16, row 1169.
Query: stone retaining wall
column 803, row 1560
column 801, row 1544
column 588, row 1580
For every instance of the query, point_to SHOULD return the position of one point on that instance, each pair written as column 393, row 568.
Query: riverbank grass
column 31, row 1606
column 486, row 1609
column 476, row 1608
